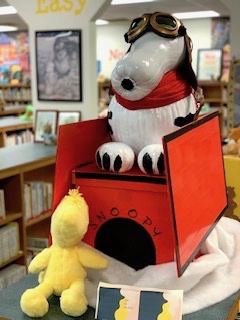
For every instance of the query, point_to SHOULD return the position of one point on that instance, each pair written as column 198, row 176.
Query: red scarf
column 169, row 90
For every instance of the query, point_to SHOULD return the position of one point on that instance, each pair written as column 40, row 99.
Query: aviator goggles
column 161, row 23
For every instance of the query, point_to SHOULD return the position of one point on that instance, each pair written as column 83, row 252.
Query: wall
column 111, row 44
column 52, row 15
column 233, row 6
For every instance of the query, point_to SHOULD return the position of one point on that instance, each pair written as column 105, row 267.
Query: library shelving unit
column 14, row 127
column 6, row 110
column 215, row 93
column 15, row 93
column 103, row 88
column 18, row 164
column 103, row 95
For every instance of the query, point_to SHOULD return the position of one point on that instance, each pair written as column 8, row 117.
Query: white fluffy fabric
column 209, row 279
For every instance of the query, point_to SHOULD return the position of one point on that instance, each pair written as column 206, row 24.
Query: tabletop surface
column 14, row 156
column 14, row 121
column 10, row 308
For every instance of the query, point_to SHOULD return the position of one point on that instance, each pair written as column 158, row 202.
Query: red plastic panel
column 196, row 184
column 77, row 144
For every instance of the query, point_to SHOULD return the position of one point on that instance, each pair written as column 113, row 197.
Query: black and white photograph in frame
column 58, row 58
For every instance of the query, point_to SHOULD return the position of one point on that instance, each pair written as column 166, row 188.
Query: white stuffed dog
column 153, row 86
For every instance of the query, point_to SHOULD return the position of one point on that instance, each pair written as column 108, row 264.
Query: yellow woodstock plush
column 61, row 266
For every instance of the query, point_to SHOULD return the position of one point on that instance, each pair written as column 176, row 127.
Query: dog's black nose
column 127, row 84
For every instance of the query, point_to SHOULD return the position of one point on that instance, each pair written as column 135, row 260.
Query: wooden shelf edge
column 215, row 100
column 9, row 111
column 17, row 127
column 212, row 83
column 17, row 85
column 19, row 255
column 10, row 217
column 48, row 161
column 38, row 219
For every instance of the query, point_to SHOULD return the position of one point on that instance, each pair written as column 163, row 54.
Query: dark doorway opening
column 126, row 241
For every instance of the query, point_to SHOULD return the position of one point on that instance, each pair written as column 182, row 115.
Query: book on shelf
column 2, row 205
column 5, row 74
column 20, row 137
column 10, row 140
column 37, row 198
column 9, row 241
column 27, row 200
column 34, row 246
column 11, row 274
column 32, row 252
column 36, row 242
column 49, row 194
column 130, row 302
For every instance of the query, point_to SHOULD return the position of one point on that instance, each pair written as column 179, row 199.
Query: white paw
column 151, row 159
column 115, row 156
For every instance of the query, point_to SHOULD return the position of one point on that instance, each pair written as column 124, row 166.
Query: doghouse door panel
column 196, row 184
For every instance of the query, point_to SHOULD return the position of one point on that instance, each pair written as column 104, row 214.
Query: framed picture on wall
column 65, row 117
column 45, row 125
column 58, row 59
column 209, row 64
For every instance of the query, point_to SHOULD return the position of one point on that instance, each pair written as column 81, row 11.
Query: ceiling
column 12, row 19
column 128, row 12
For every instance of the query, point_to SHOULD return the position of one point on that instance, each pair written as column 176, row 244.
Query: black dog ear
column 187, row 73
column 185, row 69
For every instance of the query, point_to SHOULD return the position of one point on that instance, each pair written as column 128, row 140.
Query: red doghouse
column 142, row 219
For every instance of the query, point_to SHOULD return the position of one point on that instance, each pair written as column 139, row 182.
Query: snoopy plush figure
column 153, row 88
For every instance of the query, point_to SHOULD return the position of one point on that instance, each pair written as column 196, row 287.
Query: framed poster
column 58, row 59
column 65, row 117
column 45, row 125
column 209, row 64
column 15, row 57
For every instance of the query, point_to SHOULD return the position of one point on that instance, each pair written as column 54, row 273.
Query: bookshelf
column 6, row 110
column 15, row 131
column 103, row 97
column 215, row 93
column 103, row 88
column 18, row 164
column 15, row 93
